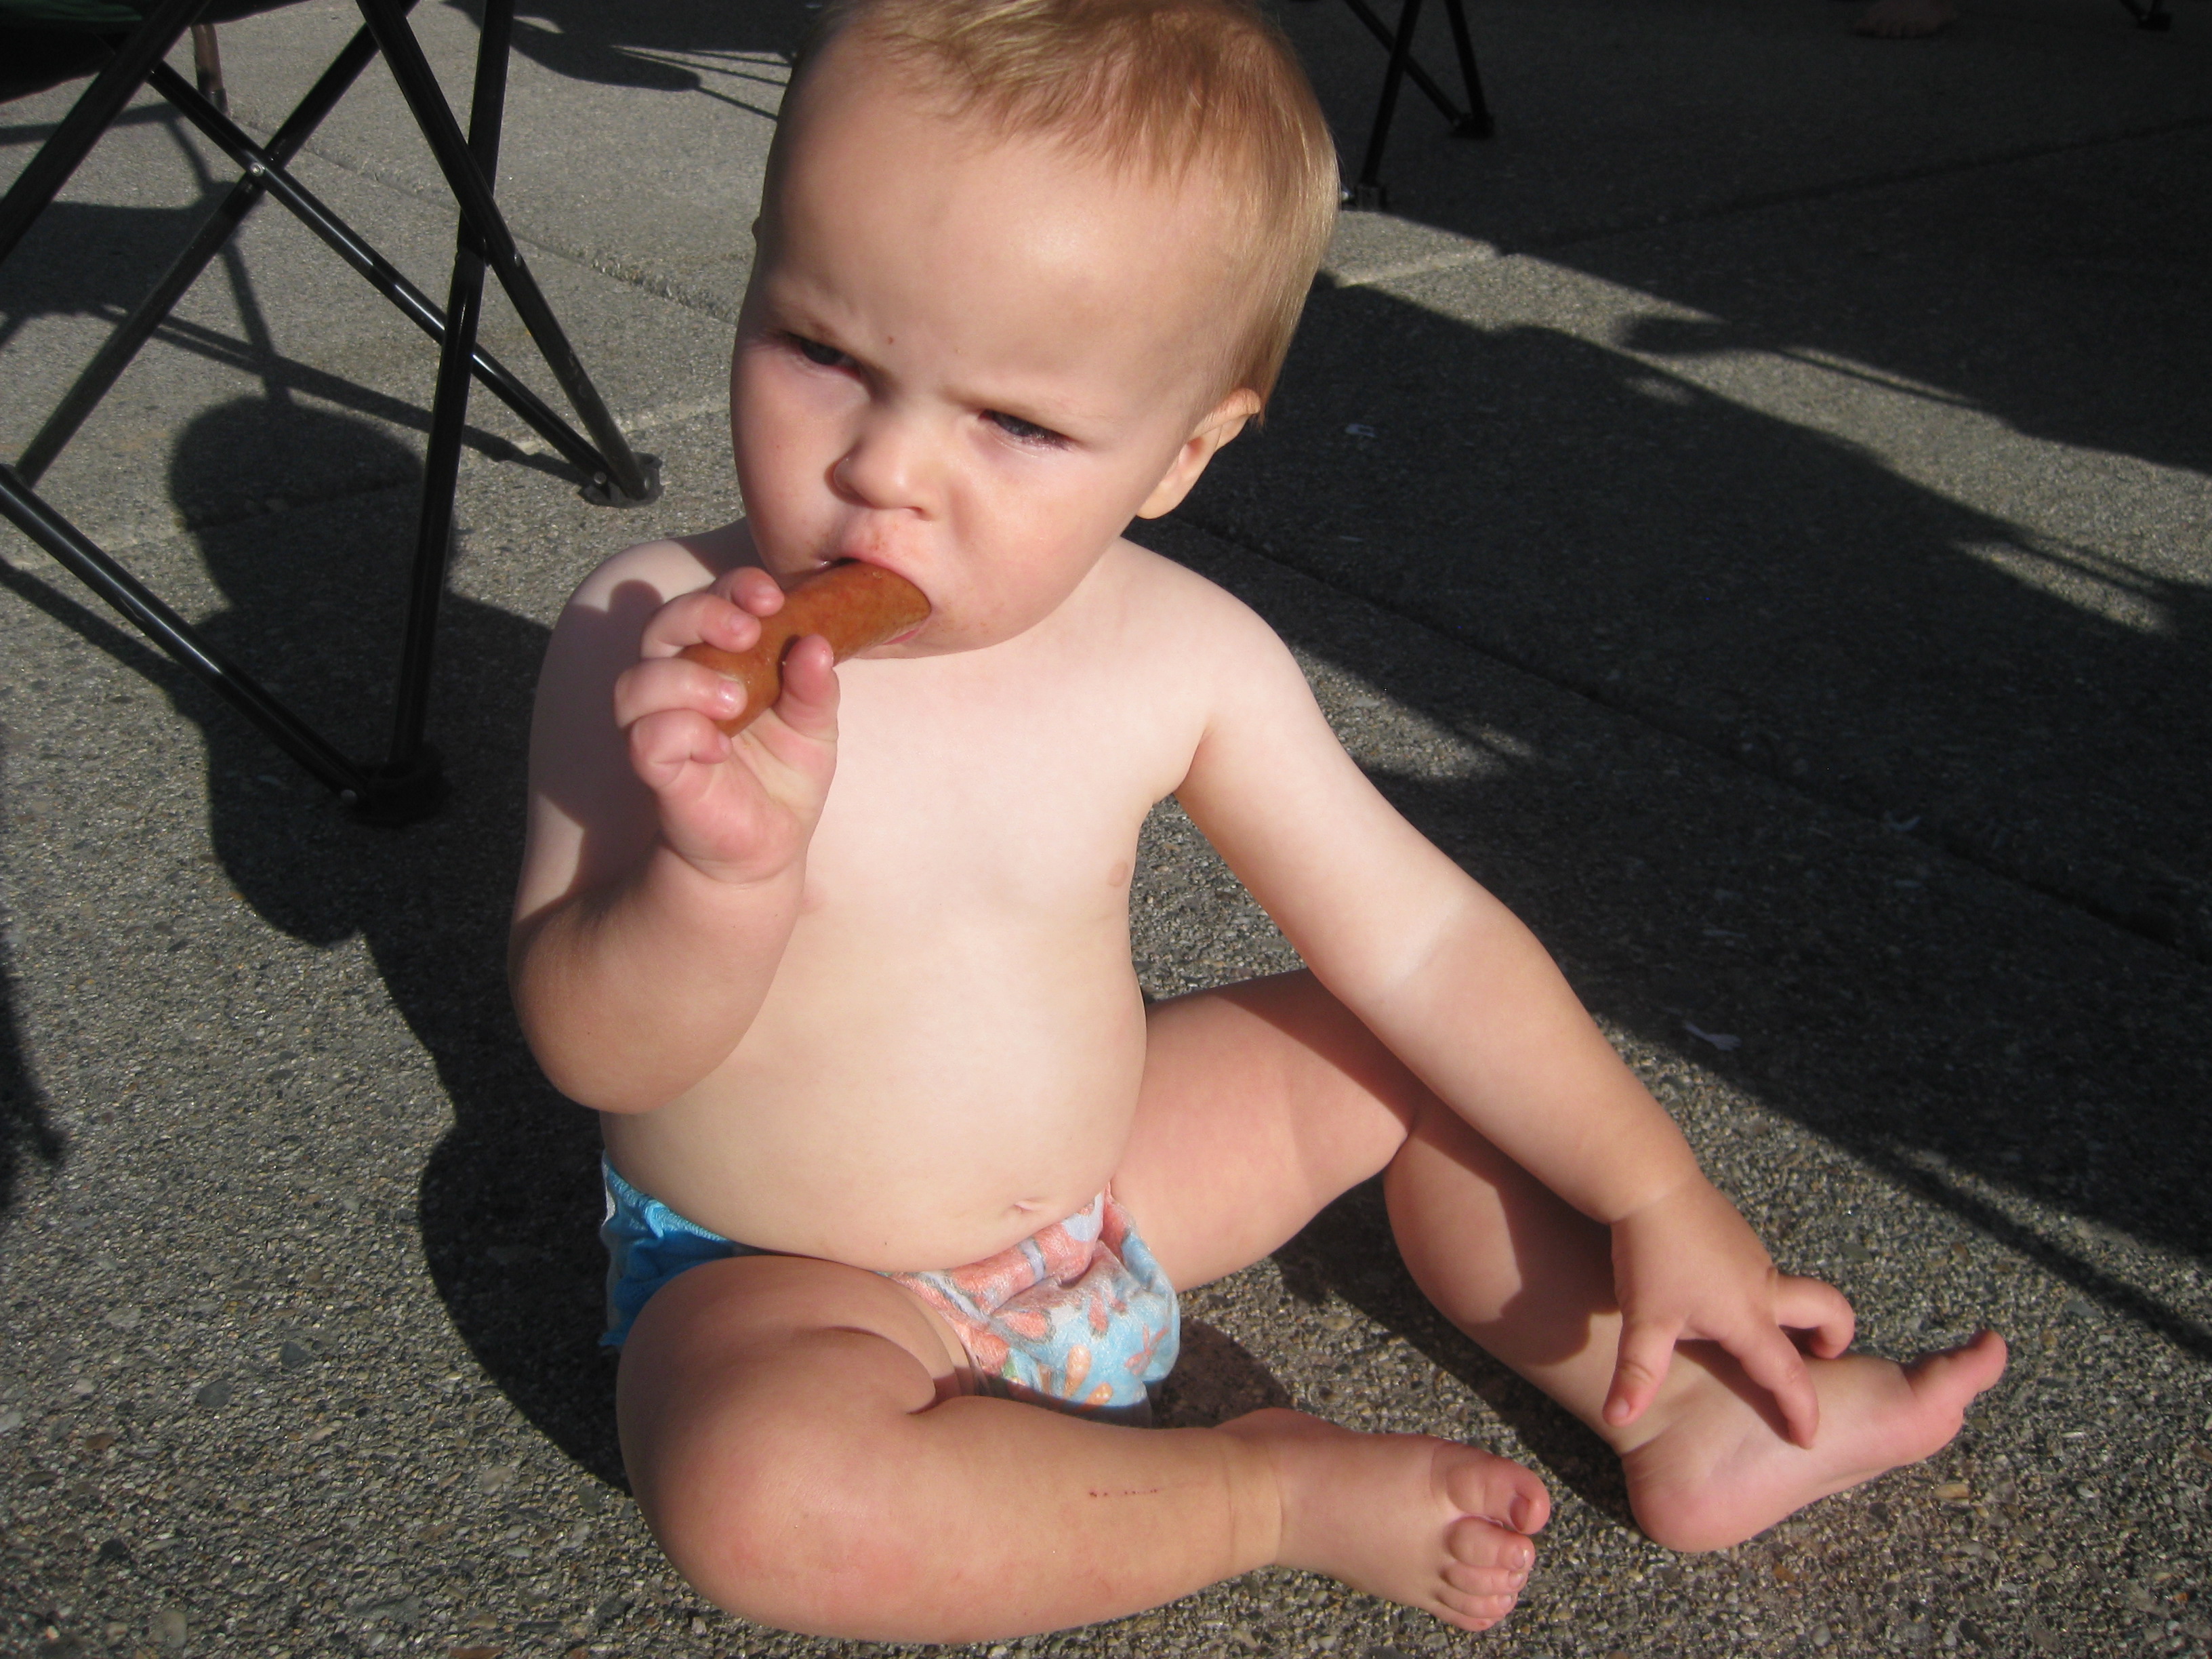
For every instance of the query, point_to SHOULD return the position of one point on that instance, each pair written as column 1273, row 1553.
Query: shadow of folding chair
column 406, row 783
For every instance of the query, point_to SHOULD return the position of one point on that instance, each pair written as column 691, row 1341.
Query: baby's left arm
column 1462, row 992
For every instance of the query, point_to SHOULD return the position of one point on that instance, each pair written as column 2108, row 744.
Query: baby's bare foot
column 1432, row 1523
column 1709, row 1466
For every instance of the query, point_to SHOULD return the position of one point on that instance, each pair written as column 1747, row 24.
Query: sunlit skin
column 855, row 985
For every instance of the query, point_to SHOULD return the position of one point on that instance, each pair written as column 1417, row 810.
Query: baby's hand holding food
column 853, row 606
column 741, row 809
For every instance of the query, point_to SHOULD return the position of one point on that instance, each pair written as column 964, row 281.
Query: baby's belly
column 921, row 1114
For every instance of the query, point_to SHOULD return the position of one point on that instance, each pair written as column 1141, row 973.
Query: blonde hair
column 1162, row 87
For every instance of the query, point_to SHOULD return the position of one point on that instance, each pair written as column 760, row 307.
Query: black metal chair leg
column 1476, row 122
column 90, row 564
column 404, row 56
column 92, row 114
column 406, row 785
column 442, row 462
column 1420, row 76
column 1368, row 193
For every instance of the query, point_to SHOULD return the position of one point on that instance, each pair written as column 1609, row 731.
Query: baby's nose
column 889, row 465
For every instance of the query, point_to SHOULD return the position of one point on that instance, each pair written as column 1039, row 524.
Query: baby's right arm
column 665, row 860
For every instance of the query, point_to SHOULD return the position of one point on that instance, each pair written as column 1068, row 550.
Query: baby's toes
column 1487, row 1581
column 1469, row 1612
column 1479, row 1546
column 1478, row 1483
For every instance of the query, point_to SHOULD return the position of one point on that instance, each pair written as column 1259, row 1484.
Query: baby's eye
column 1022, row 431
column 815, row 352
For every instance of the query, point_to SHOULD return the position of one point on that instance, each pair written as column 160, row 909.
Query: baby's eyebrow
column 1038, row 407
column 790, row 313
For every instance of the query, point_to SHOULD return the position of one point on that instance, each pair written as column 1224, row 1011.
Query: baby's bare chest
column 1028, row 809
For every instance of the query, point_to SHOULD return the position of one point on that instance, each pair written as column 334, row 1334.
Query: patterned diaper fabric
column 1078, row 1315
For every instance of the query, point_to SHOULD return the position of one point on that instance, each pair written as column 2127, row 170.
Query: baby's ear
column 1224, row 421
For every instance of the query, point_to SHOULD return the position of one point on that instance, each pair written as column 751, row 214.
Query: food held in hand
column 853, row 606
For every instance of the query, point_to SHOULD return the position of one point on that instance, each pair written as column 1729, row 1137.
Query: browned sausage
column 853, row 606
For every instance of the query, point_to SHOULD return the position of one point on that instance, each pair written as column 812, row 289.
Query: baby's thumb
column 1647, row 1349
column 808, row 704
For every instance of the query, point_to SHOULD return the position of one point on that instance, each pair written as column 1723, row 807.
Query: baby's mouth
column 905, row 634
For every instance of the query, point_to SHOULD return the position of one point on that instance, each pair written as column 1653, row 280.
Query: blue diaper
column 648, row 1245
column 1078, row 1315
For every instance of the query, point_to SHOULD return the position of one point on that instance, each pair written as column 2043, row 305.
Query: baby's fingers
column 752, row 588
column 1771, row 1360
column 668, row 750
column 1647, row 1349
column 659, row 684
column 710, row 616
column 1807, row 1305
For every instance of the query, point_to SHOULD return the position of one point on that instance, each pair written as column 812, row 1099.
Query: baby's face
column 968, row 358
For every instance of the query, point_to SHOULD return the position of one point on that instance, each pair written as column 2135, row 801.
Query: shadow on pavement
column 644, row 44
column 27, row 1136
column 1768, row 591
column 101, row 260
column 509, row 1198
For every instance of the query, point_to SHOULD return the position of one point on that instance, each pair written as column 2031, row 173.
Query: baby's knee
column 779, row 1516
column 767, row 1413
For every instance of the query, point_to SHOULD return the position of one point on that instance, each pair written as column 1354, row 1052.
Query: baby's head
column 1023, row 265
column 1183, row 95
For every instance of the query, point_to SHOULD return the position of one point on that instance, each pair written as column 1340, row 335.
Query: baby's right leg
column 800, row 1447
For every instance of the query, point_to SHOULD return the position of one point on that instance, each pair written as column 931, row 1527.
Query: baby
column 853, row 987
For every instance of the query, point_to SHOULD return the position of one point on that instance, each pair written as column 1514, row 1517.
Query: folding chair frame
column 407, row 784
column 2154, row 15
column 1369, row 192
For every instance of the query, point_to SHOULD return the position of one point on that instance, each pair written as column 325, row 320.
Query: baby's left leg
column 1242, row 1134
column 1263, row 1101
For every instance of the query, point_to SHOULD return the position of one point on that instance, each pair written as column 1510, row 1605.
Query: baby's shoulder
column 1168, row 609
column 658, row 571
column 1160, row 656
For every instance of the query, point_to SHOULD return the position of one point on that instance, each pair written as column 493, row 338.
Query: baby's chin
column 951, row 636
column 922, row 646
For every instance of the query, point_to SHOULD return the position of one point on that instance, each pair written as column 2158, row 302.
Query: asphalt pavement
column 1755, row 511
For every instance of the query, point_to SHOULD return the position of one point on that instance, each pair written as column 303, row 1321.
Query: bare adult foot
column 1429, row 1522
column 1708, row 1465
column 1906, row 20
